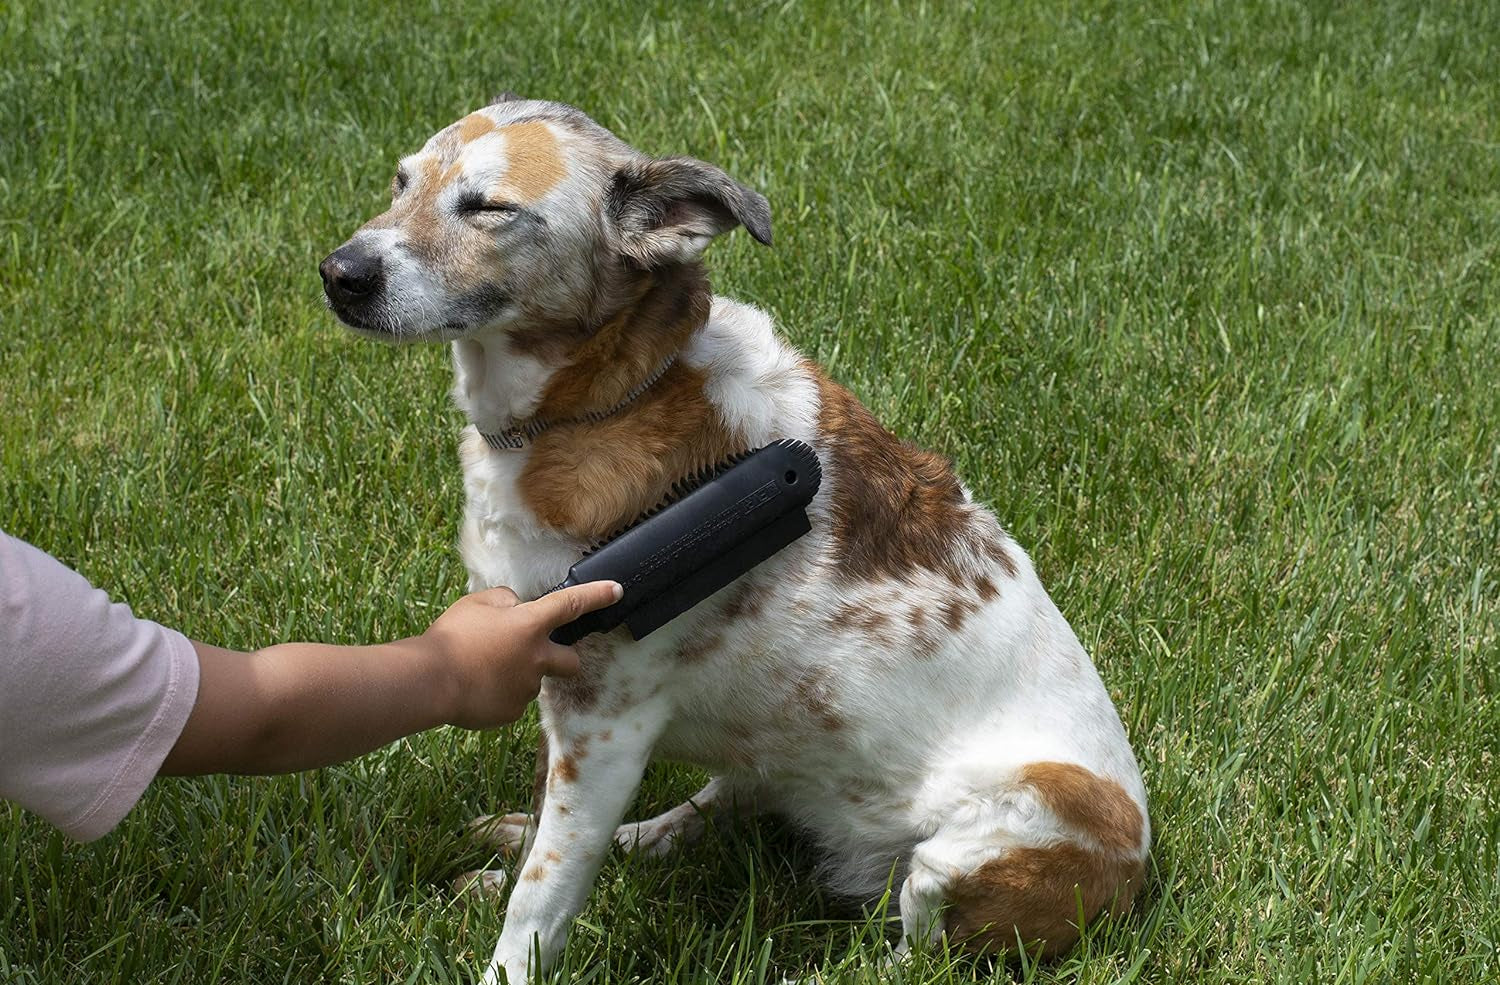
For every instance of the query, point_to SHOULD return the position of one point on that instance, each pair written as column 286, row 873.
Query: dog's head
column 525, row 217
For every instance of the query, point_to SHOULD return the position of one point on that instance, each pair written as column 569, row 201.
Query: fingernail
column 619, row 591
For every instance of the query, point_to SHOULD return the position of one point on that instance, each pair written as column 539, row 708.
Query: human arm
column 297, row 706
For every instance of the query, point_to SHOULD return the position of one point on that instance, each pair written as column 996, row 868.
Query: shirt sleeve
column 91, row 698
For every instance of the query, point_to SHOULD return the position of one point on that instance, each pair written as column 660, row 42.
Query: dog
column 897, row 682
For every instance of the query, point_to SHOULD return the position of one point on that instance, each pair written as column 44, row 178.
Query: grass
column 1203, row 297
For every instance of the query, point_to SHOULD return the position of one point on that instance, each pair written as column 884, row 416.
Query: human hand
column 491, row 651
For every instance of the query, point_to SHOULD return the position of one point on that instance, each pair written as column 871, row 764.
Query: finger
column 560, row 661
column 500, row 597
column 568, row 604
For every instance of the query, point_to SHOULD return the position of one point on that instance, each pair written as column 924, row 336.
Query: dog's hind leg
column 588, row 788
column 685, row 823
column 1027, row 864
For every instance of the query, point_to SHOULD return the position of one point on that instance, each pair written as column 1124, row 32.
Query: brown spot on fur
column 695, row 647
column 955, row 611
column 474, row 126
column 1087, row 801
column 895, row 506
column 552, row 856
column 566, row 770
column 852, row 615
column 985, row 589
column 581, row 692
column 536, row 163
column 534, row 873
column 814, row 692
column 1034, row 893
column 606, row 735
column 745, row 603
column 576, row 693
column 997, row 553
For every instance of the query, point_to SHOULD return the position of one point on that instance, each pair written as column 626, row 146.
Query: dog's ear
column 669, row 210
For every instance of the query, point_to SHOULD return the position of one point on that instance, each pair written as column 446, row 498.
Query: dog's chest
column 499, row 538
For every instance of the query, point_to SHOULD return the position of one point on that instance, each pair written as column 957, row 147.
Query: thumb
column 568, row 604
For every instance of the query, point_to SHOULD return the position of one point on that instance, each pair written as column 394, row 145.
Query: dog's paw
column 506, row 833
column 482, row 883
column 649, row 839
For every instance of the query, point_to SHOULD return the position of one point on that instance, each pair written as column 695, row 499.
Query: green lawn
column 1203, row 298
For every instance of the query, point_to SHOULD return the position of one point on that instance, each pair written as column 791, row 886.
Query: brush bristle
column 692, row 483
column 681, row 488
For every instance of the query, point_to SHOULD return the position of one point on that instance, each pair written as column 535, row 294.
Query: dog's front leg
column 596, row 767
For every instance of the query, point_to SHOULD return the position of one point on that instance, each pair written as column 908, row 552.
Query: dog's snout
column 351, row 273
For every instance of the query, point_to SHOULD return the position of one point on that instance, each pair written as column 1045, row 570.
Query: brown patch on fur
column 474, row 126
column 536, row 162
column 955, row 611
column 553, row 856
column 566, row 770
column 535, row 873
column 814, row 692
column 1087, row 801
column 1030, row 893
column 589, row 478
column 696, row 647
column 852, row 615
column 997, row 553
column 661, row 311
column 985, row 588
column 581, row 692
column 744, row 603
column 895, row 506
column 606, row 735
column 576, row 693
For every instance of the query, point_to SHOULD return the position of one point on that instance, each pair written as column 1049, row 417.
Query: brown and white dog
column 897, row 682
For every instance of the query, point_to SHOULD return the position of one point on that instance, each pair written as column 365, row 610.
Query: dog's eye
column 399, row 183
column 475, row 205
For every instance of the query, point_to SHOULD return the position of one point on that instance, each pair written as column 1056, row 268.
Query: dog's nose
column 351, row 273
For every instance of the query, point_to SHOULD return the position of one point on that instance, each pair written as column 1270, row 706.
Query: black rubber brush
column 714, row 527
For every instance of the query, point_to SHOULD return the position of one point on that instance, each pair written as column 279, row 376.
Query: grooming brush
column 714, row 527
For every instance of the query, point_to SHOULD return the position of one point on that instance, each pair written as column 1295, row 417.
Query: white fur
column 919, row 781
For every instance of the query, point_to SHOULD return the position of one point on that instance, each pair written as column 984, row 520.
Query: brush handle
column 672, row 559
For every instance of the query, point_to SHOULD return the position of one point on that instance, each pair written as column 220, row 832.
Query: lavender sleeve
column 91, row 698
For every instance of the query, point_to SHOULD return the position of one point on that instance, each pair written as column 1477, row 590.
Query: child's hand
column 492, row 651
